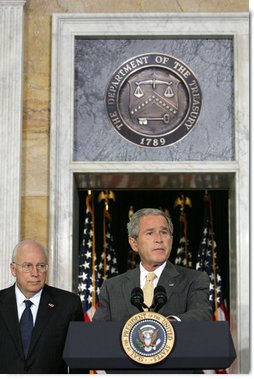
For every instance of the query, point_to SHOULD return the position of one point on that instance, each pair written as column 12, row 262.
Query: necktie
column 26, row 326
column 148, row 289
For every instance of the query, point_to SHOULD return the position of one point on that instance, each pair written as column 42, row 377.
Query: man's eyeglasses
column 28, row 267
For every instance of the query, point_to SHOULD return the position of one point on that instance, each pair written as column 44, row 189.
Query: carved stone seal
column 153, row 100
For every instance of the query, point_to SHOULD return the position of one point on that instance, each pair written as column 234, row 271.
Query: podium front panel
column 198, row 345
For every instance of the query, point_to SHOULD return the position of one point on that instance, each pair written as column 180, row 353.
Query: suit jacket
column 187, row 295
column 56, row 309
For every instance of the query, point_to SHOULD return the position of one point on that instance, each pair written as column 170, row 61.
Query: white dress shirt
column 20, row 297
column 144, row 272
column 158, row 271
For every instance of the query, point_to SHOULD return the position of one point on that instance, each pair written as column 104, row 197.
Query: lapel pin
column 171, row 284
column 51, row 305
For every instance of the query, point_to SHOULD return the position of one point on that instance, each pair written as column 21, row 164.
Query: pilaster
column 11, row 67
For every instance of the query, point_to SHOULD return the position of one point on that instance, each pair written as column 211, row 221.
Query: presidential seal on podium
column 148, row 338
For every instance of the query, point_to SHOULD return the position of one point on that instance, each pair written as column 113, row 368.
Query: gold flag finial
column 106, row 196
column 182, row 202
column 166, row 211
column 131, row 212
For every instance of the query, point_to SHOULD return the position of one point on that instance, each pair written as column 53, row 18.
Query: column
column 11, row 69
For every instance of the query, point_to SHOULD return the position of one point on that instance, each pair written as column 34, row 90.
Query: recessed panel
column 101, row 62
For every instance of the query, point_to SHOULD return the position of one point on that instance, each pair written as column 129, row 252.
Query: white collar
column 144, row 272
column 21, row 297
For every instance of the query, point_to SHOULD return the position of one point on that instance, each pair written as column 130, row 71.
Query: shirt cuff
column 173, row 318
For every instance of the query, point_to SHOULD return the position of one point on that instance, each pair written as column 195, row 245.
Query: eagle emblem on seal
column 148, row 338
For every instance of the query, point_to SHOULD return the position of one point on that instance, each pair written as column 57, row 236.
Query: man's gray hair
column 133, row 224
column 26, row 242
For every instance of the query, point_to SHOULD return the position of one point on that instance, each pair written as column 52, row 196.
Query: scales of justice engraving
column 153, row 100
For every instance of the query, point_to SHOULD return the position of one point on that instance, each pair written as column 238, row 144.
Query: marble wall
column 37, row 81
column 26, row 173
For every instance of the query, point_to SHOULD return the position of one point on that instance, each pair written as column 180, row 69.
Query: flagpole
column 213, row 256
column 104, row 264
column 182, row 202
column 185, row 242
column 182, row 219
column 104, row 241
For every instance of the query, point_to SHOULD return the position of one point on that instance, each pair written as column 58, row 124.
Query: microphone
column 159, row 298
column 137, row 298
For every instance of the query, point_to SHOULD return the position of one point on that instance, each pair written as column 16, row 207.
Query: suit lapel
column 8, row 309
column 169, row 280
column 133, row 280
column 45, row 312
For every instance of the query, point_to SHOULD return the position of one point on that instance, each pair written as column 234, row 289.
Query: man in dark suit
column 151, row 235
column 51, row 311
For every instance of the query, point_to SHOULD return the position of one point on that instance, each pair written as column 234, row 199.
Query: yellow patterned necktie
column 148, row 289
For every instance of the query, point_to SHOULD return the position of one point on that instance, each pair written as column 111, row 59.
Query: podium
column 198, row 345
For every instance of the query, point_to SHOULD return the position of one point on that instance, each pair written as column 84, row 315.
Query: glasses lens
column 42, row 267
column 28, row 267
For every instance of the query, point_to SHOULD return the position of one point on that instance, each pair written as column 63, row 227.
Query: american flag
column 108, row 262
column 87, row 279
column 183, row 254
column 133, row 260
column 207, row 261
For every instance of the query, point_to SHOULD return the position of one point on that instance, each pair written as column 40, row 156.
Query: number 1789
column 152, row 141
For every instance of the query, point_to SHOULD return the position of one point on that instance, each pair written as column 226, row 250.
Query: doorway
column 128, row 199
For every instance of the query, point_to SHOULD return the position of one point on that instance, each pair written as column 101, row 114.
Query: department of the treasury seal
column 153, row 100
column 148, row 338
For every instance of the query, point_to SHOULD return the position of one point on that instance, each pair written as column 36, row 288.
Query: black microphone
column 137, row 298
column 159, row 298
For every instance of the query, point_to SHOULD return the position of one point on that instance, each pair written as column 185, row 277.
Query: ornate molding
column 11, row 69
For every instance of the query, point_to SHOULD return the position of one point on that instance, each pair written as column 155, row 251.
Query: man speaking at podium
column 176, row 292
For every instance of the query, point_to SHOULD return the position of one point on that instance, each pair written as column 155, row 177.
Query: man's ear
column 171, row 242
column 12, row 268
column 133, row 244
